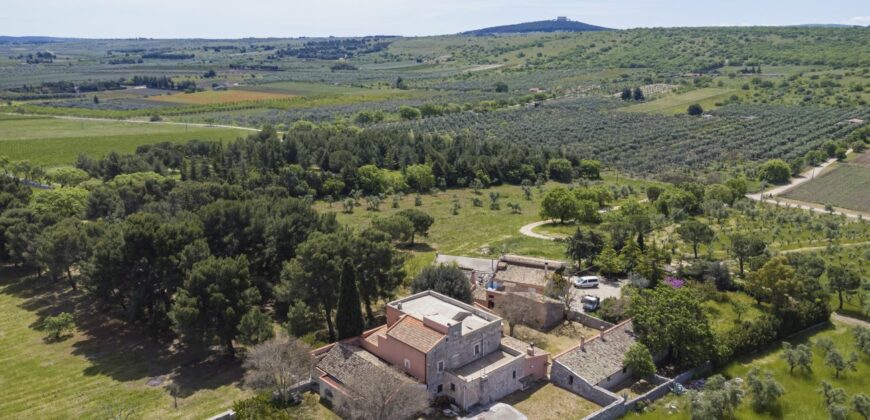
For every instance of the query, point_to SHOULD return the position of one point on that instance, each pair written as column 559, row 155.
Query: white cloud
column 858, row 20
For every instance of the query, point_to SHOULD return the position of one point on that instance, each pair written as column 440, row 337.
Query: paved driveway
column 604, row 290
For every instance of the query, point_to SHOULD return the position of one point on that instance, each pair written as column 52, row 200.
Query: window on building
column 407, row 364
column 440, row 366
column 514, row 375
column 624, row 369
column 476, row 349
column 570, row 380
column 452, row 386
column 440, row 388
column 328, row 393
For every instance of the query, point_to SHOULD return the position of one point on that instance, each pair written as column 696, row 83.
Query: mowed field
column 679, row 103
column 847, row 185
column 53, row 142
column 218, row 97
column 105, row 370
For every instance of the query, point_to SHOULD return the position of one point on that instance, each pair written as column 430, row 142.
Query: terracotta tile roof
column 346, row 363
column 412, row 332
column 373, row 336
column 599, row 358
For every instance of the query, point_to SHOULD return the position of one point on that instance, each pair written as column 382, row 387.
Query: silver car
column 585, row 282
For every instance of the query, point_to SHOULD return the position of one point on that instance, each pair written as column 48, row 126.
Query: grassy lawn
column 802, row 398
column 545, row 401
column 678, row 103
column 724, row 315
column 475, row 231
column 844, row 185
column 104, row 366
column 633, row 388
column 56, row 142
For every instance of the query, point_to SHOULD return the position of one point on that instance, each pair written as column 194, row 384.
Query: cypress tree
column 640, row 242
column 348, row 317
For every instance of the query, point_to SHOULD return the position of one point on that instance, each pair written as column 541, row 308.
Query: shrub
column 640, row 361
column 59, row 326
column 775, row 171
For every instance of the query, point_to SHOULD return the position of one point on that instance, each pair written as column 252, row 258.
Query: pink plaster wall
column 536, row 366
column 395, row 352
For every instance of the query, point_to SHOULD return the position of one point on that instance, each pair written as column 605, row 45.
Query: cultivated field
column 311, row 89
column 53, row 142
column 846, row 185
column 218, row 97
column 678, row 103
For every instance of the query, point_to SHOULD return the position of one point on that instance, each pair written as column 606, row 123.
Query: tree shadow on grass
column 417, row 247
column 114, row 348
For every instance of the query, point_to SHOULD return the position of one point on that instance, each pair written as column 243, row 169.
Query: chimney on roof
column 546, row 267
column 531, row 349
column 399, row 306
column 582, row 342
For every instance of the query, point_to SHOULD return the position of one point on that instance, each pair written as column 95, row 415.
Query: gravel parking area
column 604, row 290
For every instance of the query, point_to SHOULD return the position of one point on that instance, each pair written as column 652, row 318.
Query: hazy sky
column 282, row 18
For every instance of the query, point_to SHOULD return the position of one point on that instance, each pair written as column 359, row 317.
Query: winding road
column 529, row 230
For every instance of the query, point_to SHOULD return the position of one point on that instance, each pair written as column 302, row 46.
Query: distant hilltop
column 560, row 24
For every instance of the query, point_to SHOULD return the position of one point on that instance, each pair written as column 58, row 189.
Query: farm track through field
column 849, row 320
column 821, row 248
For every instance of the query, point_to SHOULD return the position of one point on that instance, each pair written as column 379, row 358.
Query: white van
column 585, row 282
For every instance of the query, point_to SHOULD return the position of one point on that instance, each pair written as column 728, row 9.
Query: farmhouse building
column 595, row 365
column 524, row 276
column 452, row 348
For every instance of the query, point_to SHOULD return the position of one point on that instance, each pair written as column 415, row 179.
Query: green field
column 105, row 365
column 846, row 186
column 55, row 142
column 802, row 398
column 678, row 103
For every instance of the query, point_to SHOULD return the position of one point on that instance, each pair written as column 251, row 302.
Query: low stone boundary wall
column 589, row 321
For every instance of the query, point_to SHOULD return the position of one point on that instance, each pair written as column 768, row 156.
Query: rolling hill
column 560, row 24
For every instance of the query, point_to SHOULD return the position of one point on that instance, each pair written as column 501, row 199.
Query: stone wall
column 458, row 350
column 562, row 376
column 547, row 312
column 497, row 384
column 589, row 321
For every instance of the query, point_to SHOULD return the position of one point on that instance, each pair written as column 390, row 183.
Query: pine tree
column 608, row 261
column 631, row 255
column 348, row 318
column 638, row 94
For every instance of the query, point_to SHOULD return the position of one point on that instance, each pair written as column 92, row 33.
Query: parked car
column 591, row 303
column 585, row 282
